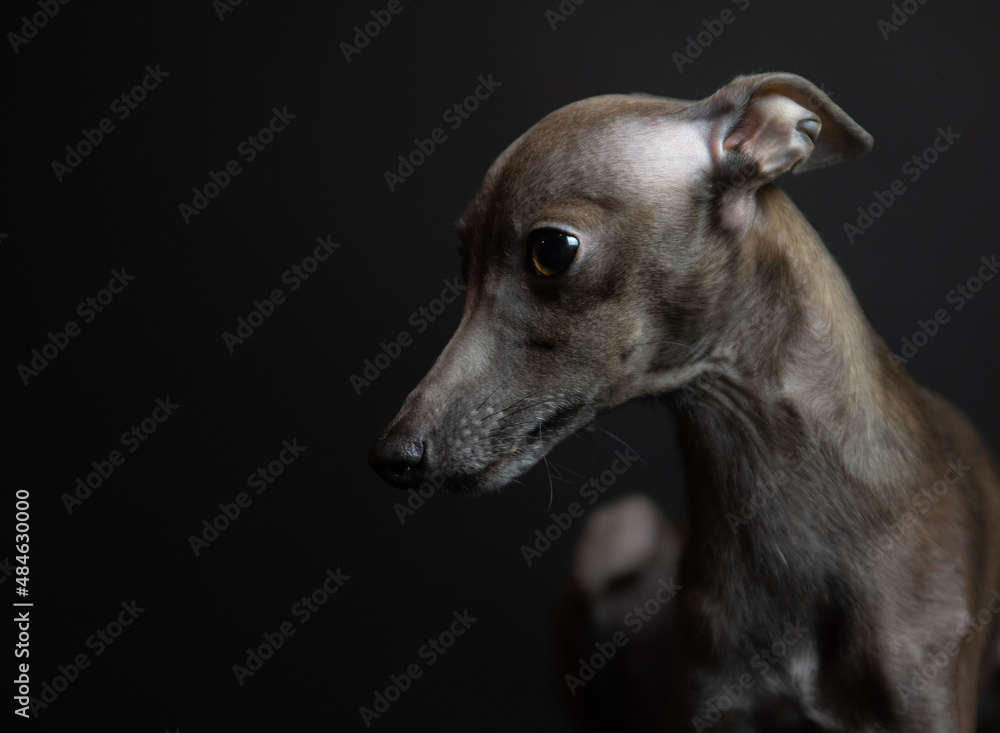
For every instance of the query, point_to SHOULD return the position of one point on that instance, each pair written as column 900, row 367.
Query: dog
column 631, row 246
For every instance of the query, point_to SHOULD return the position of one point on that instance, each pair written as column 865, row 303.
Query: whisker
column 569, row 470
column 511, row 425
column 558, row 476
column 487, row 399
column 520, row 399
column 510, row 414
column 625, row 444
column 548, row 470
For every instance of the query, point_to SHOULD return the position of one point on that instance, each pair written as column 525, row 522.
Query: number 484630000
column 21, row 541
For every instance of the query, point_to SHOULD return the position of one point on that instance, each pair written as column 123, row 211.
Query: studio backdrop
column 229, row 253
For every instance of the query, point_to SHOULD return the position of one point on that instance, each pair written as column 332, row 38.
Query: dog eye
column 551, row 251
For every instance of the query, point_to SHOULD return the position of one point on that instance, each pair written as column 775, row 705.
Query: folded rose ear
column 776, row 132
column 767, row 124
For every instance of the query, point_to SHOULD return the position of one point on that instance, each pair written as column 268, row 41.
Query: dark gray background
column 323, row 176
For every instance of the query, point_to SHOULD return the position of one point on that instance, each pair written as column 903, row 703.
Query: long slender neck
column 799, row 387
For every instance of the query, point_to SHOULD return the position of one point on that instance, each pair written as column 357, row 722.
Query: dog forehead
column 605, row 150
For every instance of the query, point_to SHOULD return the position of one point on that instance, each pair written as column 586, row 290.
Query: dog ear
column 772, row 123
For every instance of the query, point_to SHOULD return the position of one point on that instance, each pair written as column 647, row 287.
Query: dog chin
column 516, row 462
column 491, row 480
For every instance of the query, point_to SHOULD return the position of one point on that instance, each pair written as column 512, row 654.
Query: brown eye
column 551, row 251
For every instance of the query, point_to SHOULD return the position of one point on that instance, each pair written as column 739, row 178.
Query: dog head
column 601, row 255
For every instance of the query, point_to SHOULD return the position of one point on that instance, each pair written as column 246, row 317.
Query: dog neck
column 801, row 403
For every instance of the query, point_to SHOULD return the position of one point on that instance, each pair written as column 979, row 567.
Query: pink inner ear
column 733, row 140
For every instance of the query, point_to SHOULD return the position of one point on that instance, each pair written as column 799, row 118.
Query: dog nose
column 396, row 458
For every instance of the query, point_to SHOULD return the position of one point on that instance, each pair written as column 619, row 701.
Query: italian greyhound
column 629, row 246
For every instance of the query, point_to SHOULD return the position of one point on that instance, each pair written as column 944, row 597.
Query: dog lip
column 556, row 420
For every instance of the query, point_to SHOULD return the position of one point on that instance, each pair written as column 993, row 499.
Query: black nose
column 396, row 458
